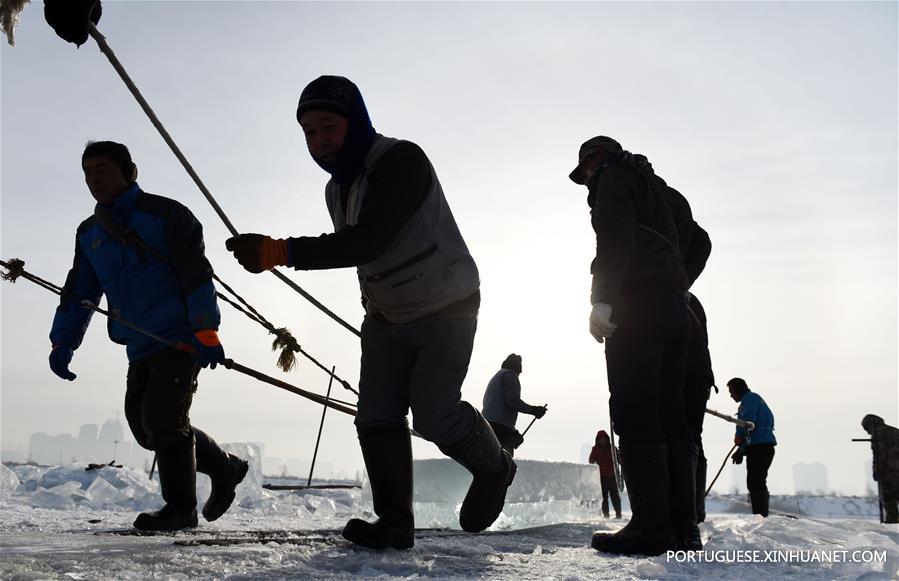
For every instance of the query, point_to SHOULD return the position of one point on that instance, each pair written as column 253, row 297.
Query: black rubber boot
column 225, row 471
column 178, row 481
column 701, row 475
column 682, row 458
column 493, row 470
column 645, row 468
column 604, row 507
column 387, row 451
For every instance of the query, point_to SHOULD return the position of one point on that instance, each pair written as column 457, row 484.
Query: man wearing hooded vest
column 639, row 311
column 420, row 289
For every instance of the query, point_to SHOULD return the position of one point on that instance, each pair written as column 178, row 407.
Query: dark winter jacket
column 636, row 235
column 699, row 361
column 601, row 454
column 171, row 298
column 502, row 399
column 693, row 241
column 885, row 447
column 754, row 409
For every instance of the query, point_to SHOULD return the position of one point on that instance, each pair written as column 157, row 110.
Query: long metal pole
column 320, row 426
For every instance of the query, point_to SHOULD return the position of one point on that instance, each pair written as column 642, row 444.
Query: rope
column 16, row 269
column 284, row 340
column 723, row 464
column 114, row 61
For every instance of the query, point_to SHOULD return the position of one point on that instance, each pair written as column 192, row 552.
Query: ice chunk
column 101, row 492
column 65, row 495
column 9, row 482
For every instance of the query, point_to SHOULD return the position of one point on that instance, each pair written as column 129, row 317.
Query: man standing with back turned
column 420, row 288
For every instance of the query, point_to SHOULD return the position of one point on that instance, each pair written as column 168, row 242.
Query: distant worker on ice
column 601, row 455
column 885, row 447
column 502, row 404
column 756, row 445
column 146, row 254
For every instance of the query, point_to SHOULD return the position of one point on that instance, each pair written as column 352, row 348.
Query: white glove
column 601, row 325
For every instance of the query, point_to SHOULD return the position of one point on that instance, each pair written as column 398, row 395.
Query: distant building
column 810, row 478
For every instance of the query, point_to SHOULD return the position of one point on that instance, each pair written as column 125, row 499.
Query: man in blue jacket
column 146, row 254
column 756, row 445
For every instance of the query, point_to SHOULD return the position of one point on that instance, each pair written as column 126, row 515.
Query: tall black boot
column 682, row 473
column 493, row 470
column 701, row 475
column 225, row 471
column 387, row 451
column 645, row 468
column 178, row 481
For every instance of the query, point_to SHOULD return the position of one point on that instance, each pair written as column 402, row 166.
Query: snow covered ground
column 65, row 523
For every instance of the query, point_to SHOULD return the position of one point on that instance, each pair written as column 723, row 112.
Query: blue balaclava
column 341, row 96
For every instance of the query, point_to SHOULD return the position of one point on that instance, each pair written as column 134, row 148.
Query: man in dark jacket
column 639, row 311
column 885, row 447
column 601, row 455
column 756, row 445
column 146, row 254
column 697, row 389
column 420, row 289
column 502, row 404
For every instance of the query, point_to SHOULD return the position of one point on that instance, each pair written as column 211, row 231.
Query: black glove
column 737, row 457
column 69, row 18
column 538, row 411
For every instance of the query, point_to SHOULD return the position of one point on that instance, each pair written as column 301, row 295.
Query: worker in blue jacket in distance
column 756, row 445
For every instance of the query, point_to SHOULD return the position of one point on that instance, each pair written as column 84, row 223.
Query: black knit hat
column 512, row 362
column 341, row 96
column 330, row 93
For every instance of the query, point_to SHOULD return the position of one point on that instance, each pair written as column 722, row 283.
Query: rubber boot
column 225, row 471
column 493, row 470
column 682, row 458
column 387, row 451
column 604, row 507
column 649, row 532
column 178, row 481
column 701, row 475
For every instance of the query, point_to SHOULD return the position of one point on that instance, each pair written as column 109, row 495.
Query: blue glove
column 209, row 350
column 60, row 357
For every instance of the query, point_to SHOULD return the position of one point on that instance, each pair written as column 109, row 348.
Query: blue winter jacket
column 172, row 297
column 754, row 409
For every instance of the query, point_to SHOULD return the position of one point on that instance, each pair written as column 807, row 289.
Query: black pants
column 645, row 361
column 509, row 438
column 758, row 461
column 696, row 398
column 610, row 488
column 158, row 396
column 419, row 365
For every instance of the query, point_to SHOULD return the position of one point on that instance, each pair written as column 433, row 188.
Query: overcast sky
column 778, row 121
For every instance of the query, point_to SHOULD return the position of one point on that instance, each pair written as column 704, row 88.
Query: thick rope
column 723, row 464
column 284, row 340
column 114, row 61
column 16, row 269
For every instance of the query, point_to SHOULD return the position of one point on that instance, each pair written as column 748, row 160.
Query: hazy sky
column 778, row 121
